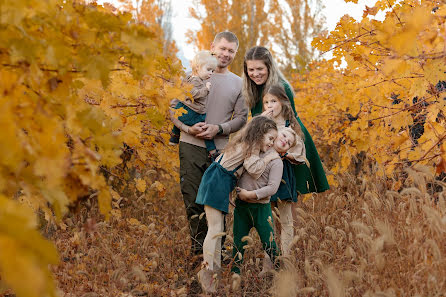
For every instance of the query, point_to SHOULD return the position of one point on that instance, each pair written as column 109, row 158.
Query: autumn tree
column 388, row 102
column 157, row 13
column 297, row 23
column 286, row 28
column 80, row 85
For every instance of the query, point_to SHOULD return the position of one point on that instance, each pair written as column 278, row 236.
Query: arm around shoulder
column 256, row 165
column 297, row 154
column 274, row 178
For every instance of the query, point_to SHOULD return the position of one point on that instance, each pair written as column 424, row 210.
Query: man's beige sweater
column 225, row 106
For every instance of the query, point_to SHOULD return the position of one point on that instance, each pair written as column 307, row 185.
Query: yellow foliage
column 141, row 185
column 25, row 254
column 77, row 96
column 288, row 25
column 390, row 89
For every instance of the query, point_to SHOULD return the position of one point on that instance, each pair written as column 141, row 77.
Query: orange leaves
column 441, row 165
column 72, row 93
column 369, row 11
column 388, row 101
column 160, row 188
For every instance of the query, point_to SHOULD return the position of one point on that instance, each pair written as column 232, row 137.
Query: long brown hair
column 250, row 88
column 287, row 112
column 251, row 136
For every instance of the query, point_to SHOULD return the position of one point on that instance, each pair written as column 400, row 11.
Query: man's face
column 225, row 52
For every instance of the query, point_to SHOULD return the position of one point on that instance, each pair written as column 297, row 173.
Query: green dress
column 216, row 186
column 287, row 189
column 311, row 179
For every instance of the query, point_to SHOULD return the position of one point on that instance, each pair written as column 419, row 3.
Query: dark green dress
column 311, row 179
column 287, row 189
column 216, row 185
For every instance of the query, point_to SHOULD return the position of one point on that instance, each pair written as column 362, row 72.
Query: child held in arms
column 203, row 66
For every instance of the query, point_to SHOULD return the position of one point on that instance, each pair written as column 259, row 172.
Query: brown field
column 367, row 237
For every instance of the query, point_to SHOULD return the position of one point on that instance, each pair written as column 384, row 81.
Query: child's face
column 283, row 141
column 268, row 140
column 271, row 102
column 205, row 71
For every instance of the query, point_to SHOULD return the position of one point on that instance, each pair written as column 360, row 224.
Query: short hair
column 203, row 58
column 228, row 35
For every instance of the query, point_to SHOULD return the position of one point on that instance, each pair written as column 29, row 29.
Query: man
column 226, row 113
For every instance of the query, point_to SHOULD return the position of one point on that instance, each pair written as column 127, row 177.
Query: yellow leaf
column 160, row 188
column 141, row 185
column 434, row 71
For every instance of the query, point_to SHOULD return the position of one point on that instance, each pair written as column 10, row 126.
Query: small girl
column 253, row 208
column 220, row 179
column 203, row 66
column 277, row 105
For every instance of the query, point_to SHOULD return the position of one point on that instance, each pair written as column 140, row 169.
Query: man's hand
column 208, row 131
column 197, row 129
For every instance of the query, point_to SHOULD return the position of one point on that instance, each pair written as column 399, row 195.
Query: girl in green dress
column 260, row 72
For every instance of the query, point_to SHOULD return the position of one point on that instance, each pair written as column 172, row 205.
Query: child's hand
column 267, row 113
column 248, row 196
column 208, row 85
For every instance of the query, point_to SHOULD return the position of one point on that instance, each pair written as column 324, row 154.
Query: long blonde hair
column 251, row 136
column 287, row 111
column 250, row 88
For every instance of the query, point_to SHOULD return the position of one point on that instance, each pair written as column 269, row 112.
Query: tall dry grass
column 369, row 236
column 364, row 239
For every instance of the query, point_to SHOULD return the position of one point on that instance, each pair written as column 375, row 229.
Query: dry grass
column 360, row 239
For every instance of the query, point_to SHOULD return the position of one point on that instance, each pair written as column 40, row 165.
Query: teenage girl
column 219, row 181
column 278, row 107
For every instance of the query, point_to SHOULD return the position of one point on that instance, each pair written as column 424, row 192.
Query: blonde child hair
column 294, row 133
column 203, row 58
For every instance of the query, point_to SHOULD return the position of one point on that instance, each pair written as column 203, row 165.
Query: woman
column 259, row 73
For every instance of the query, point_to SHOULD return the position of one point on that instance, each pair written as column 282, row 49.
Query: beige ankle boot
column 207, row 281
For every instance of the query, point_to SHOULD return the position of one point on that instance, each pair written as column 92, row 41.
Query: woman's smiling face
column 257, row 71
